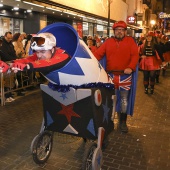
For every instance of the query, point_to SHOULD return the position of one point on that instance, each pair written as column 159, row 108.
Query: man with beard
column 122, row 57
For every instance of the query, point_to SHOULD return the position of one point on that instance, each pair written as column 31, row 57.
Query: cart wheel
column 97, row 159
column 33, row 143
column 88, row 159
column 42, row 147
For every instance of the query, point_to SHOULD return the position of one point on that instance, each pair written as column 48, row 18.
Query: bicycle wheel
column 42, row 147
column 88, row 156
column 33, row 143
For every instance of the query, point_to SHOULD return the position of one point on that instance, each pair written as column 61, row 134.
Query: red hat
column 158, row 32
column 151, row 33
column 163, row 37
column 159, row 35
column 142, row 37
column 89, row 37
column 166, row 38
column 119, row 24
column 98, row 40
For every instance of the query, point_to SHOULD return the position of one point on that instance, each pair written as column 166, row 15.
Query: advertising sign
column 131, row 20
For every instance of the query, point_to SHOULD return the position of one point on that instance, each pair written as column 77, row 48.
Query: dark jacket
column 160, row 50
column 7, row 52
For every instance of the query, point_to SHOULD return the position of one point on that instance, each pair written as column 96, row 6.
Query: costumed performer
column 46, row 56
column 121, row 61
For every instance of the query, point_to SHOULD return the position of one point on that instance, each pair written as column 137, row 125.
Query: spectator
column 98, row 43
column 23, row 37
column 20, row 52
column 27, row 44
column 6, row 43
column 7, row 51
column 3, row 69
column 85, row 39
column 18, row 46
column 90, row 44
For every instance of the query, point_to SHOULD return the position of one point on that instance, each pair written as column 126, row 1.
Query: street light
column 152, row 22
column 108, row 21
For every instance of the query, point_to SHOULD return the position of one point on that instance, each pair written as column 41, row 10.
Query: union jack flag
column 122, row 82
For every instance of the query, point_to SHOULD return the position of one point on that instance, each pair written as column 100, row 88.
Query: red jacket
column 119, row 54
column 93, row 48
column 58, row 60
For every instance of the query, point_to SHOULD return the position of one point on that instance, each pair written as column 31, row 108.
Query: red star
column 58, row 57
column 37, row 62
column 68, row 112
column 48, row 61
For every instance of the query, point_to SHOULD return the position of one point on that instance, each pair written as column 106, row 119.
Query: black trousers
column 149, row 78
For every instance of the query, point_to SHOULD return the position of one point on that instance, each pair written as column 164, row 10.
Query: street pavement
column 145, row 147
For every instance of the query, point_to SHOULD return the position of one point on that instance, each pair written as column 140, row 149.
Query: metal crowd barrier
column 2, row 90
column 9, row 80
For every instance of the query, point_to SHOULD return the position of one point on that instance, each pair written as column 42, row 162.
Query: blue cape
column 132, row 94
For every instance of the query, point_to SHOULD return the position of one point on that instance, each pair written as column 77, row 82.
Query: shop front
column 92, row 21
column 83, row 26
column 10, row 21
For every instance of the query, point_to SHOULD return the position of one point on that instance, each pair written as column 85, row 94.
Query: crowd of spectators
column 12, row 47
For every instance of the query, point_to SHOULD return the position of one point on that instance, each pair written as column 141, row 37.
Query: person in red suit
column 122, row 57
column 46, row 56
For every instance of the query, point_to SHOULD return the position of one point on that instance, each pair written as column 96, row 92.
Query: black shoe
column 163, row 72
column 146, row 91
column 20, row 94
column 123, row 127
column 152, row 91
column 157, row 81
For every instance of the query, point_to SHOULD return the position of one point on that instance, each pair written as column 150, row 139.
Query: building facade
column 87, row 17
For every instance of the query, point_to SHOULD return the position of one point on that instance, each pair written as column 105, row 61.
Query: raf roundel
column 98, row 97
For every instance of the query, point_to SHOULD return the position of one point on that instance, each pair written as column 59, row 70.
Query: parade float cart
column 78, row 101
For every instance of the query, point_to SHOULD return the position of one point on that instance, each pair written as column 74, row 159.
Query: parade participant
column 121, row 55
column 166, row 53
column 149, row 63
column 90, row 44
column 46, row 57
column 3, row 67
column 160, row 49
column 141, row 40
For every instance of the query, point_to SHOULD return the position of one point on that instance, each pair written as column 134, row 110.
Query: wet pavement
column 145, row 147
